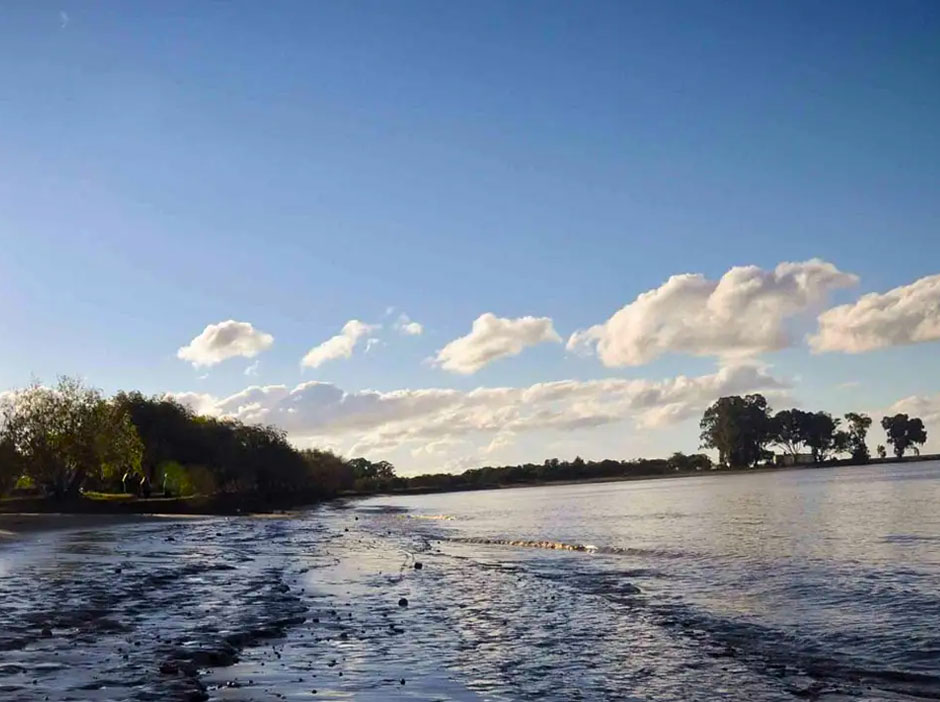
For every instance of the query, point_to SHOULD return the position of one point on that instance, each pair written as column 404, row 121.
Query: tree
column 738, row 428
column 681, row 462
column 821, row 435
column 327, row 471
column 64, row 435
column 789, row 430
column 858, row 431
column 881, row 451
column 10, row 469
column 169, row 431
column 904, row 432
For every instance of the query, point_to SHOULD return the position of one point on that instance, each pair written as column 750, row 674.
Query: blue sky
column 166, row 166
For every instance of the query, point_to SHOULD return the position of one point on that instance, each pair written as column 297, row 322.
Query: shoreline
column 19, row 525
column 23, row 516
column 664, row 476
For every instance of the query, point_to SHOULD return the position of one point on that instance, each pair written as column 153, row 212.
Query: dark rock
column 402, row 681
column 418, row 565
column 169, row 668
column 46, row 633
column 403, row 602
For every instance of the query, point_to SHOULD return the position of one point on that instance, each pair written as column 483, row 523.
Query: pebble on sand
column 403, row 602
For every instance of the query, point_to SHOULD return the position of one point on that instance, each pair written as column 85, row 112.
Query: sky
column 462, row 234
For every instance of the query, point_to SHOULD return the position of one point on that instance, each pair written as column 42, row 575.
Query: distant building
column 788, row 459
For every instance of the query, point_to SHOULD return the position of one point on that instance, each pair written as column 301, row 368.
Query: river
column 803, row 584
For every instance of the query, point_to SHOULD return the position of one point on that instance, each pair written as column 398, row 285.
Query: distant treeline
column 555, row 470
column 68, row 440
column 741, row 429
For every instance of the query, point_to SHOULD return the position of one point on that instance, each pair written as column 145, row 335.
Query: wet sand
column 14, row 525
column 333, row 604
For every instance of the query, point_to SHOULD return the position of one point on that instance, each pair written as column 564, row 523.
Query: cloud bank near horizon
column 372, row 422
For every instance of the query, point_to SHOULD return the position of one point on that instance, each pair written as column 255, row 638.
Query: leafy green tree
column 881, row 451
column 168, row 430
column 857, row 434
column 68, row 434
column 738, row 428
column 904, row 432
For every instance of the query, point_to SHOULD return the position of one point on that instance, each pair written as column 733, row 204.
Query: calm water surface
column 806, row 583
column 780, row 586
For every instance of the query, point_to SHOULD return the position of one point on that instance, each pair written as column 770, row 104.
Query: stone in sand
column 403, row 602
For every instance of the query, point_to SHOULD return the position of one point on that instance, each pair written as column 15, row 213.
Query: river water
column 805, row 584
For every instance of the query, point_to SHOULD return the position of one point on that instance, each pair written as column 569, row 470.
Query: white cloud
column 437, row 421
column 199, row 402
column 908, row 314
column 927, row 407
column 339, row 346
column 492, row 338
column 224, row 340
column 740, row 315
column 252, row 369
column 408, row 327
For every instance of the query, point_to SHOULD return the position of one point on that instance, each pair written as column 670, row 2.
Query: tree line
column 69, row 439
column 556, row 470
column 742, row 430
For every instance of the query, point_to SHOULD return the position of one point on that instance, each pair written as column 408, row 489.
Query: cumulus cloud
column 927, row 407
column 908, row 314
column 339, row 346
column 405, row 325
column 434, row 420
column 492, row 338
column 201, row 403
column 224, row 340
column 742, row 314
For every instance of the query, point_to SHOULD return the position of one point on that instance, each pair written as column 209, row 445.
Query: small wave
column 552, row 545
column 433, row 517
column 565, row 546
